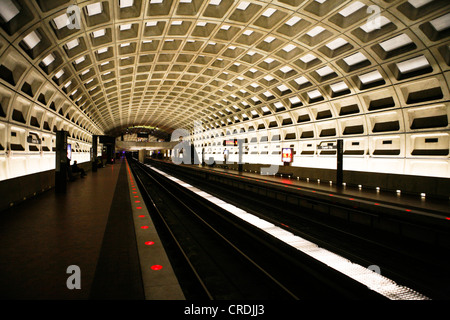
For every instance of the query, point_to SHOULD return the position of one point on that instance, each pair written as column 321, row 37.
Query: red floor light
column 149, row 243
column 409, row 210
column 141, row 216
column 137, row 201
column 144, row 227
column 156, row 267
column 138, row 207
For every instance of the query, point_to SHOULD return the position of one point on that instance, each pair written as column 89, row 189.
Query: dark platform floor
column 90, row 226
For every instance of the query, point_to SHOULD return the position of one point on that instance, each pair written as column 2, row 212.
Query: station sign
column 287, row 155
column 230, row 143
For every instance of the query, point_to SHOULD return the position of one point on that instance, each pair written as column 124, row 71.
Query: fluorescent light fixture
column 396, row 42
column 308, row 58
column 225, row 27
column 8, row 10
column 374, row 25
column 201, row 24
column 269, row 12
column 286, row 69
column 243, row 5
column 338, row 87
column 59, row 74
column 419, row 3
column 355, row 6
column 72, row 44
column 215, row 2
column 32, row 39
column 254, row 85
column 269, row 39
column 80, row 60
column 247, row 32
column 85, row 72
column 67, row 84
column 292, row 21
column 99, row 33
column 48, row 59
column 151, row 23
column 268, row 94
column 355, row 59
column 251, row 53
column 370, row 77
column 126, row 3
column 314, row 94
column 413, row 64
column 177, row 23
column 61, row 21
column 124, row 27
column 289, row 48
column 282, row 88
column 339, row 42
column 102, row 50
column 94, row 9
column 441, row 23
column 301, row 80
column 315, row 31
column 269, row 60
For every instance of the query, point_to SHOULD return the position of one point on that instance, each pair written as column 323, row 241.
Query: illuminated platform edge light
column 371, row 279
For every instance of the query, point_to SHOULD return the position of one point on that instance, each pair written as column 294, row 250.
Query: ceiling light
column 269, row 39
column 124, row 27
column 72, row 44
column 215, row 2
column 314, row 94
column 289, row 48
column 355, row 59
column 351, row 9
column 324, row 71
column 248, row 32
column 301, row 80
column 99, row 33
column 370, row 77
column 374, row 25
column 396, row 42
column 8, row 10
column 61, row 21
column 315, row 31
column 48, row 59
column 80, row 60
column 59, row 74
column 269, row 12
column 243, row 5
column 125, row 3
column 413, row 64
column 338, row 87
column 32, row 39
column 339, row 42
column 293, row 21
column 94, row 9
column 286, row 69
column 441, row 23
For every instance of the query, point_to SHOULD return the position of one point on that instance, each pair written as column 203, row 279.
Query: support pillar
column 62, row 164
column 339, row 167
column 94, row 153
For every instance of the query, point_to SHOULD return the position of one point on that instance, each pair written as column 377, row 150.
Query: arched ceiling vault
column 169, row 63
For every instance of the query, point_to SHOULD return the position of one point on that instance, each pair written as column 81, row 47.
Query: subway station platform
column 96, row 241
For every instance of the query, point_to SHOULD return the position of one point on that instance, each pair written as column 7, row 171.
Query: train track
column 217, row 256
column 414, row 265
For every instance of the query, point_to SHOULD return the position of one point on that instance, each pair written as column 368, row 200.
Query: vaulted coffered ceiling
column 169, row 63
